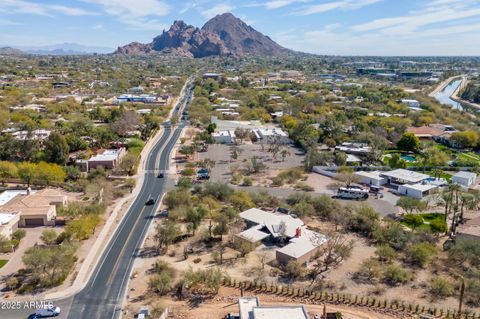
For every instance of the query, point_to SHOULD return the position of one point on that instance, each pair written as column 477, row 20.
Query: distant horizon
column 445, row 28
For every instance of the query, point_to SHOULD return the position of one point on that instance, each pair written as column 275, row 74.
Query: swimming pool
column 408, row 158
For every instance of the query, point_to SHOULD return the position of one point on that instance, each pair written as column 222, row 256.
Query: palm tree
column 454, row 190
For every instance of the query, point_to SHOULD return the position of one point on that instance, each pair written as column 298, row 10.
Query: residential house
column 412, row 184
column 463, row 178
column 108, row 159
column 224, row 137
column 35, row 208
column 249, row 308
column 8, row 223
column 301, row 243
column 410, row 102
column 371, row 178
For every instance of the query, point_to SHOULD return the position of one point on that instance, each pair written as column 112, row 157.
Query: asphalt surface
column 104, row 293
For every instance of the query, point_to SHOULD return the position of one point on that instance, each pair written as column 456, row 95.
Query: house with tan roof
column 36, row 208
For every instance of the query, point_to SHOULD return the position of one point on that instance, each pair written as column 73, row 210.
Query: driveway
column 15, row 259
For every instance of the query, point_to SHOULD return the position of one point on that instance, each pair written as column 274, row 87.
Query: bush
column 441, row 287
column 438, row 226
column 204, row 280
column 19, row 234
column 413, row 220
column 370, row 270
column 247, row 181
column 293, row 270
column 393, row 235
column 304, row 187
column 49, row 237
column 395, row 275
column 364, row 221
column 385, row 253
column 420, row 254
column 161, row 281
column 197, row 260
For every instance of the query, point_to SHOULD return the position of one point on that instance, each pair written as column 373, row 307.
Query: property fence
column 373, row 303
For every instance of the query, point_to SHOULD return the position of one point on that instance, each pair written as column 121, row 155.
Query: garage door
column 33, row 221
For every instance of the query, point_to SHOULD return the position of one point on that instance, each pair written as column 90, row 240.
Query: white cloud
column 137, row 8
column 216, row 10
column 276, row 4
column 334, row 5
column 137, row 14
column 98, row 26
column 26, row 7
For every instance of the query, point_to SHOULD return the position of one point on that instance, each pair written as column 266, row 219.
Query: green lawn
column 468, row 157
column 444, row 175
column 427, row 219
column 3, row 262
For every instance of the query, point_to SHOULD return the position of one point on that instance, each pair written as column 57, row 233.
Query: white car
column 48, row 311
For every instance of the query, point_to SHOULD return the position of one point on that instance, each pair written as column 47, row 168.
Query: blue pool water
column 408, row 158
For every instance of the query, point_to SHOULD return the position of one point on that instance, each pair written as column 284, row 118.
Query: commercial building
column 466, row 179
column 297, row 241
column 250, row 308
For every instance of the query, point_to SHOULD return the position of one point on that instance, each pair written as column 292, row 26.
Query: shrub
column 438, row 226
column 364, row 221
column 420, row 254
column 395, row 275
column 293, row 270
column 19, row 234
column 247, row 181
column 393, row 235
column 385, row 253
column 369, row 270
column 441, row 287
column 160, row 284
column 413, row 220
column 49, row 237
column 204, row 280
column 197, row 260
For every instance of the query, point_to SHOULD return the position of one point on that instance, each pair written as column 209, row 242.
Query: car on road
column 150, row 202
column 161, row 175
column 47, row 311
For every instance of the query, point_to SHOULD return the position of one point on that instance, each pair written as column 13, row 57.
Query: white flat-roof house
column 302, row 243
column 371, row 178
column 417, row 190
column 269, row 135
column 224, row 137
column 249, row 308
column 403, row 176
column 108, row 159
column 466, row 179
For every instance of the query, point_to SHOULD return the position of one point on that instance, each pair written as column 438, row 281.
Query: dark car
column 150, row 202
column 33, row 316
column 161, row 175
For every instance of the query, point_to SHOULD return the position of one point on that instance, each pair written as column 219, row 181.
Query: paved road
column 105, row 291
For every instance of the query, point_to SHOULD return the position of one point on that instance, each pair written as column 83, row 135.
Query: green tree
column 49, row 266
column 7, row 170
column 396, row 161
column 386, row 254
column 165, row 234
column 56, row 149
column 465, row 139
column 27, row 172
column 410, row 204
column 49, row 237
column 408, row 142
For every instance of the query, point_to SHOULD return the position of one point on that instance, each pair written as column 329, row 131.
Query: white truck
column 48, row 311
column 352, row 192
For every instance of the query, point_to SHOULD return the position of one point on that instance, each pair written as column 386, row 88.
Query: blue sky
column 339, row 27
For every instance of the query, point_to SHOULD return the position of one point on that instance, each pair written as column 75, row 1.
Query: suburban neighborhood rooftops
column 8, row 195
column 405, row 176
column 425, row 131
